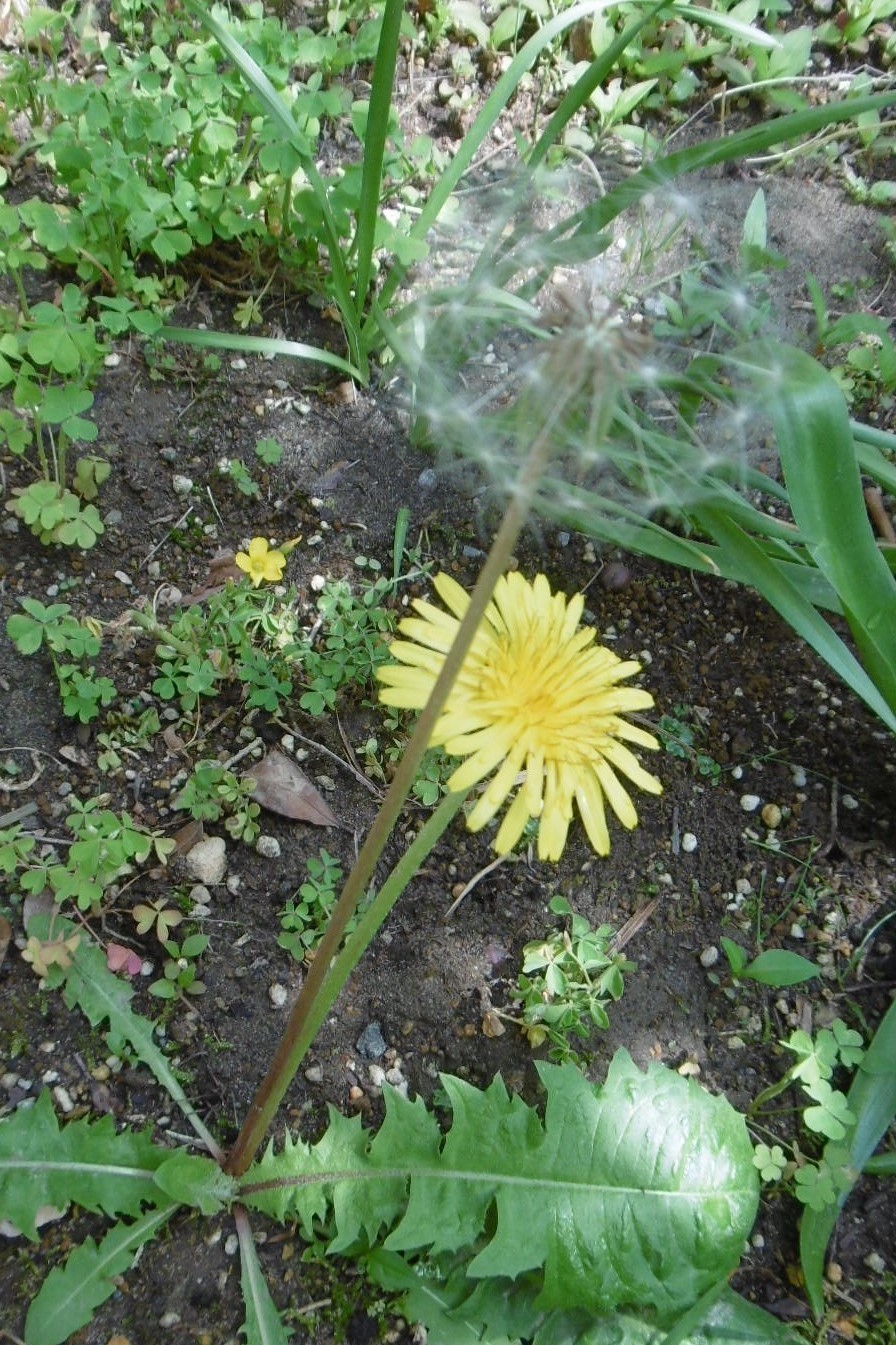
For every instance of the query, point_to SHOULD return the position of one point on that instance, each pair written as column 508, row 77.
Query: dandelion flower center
column 537, row 707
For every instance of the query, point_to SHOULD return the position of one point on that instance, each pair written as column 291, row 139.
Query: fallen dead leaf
column 221, row 567
column 5, row 936
column 281, row 787
column 119, row 958
column 190, row 834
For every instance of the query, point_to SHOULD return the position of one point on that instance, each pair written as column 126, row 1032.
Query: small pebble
column 849, row 802
column 207, row 860
column 874, row 1261
column 797, row 932
column 278, row 995
column 771, row 815
column 371, row 1044
column 689, row 842
column 268, row 847
column 834, row 1272
column 169, row 1319
column 799, row 777
column 750, row 802
column 314, row 1074
column 427, row 480
column 710, row 956
column 64, row 1099
column 181, row 485
column 231, row 1244
column 736, row 1044
column 112, row 361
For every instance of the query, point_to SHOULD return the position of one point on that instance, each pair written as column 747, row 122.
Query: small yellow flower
column 262, row 563
column 536, row 696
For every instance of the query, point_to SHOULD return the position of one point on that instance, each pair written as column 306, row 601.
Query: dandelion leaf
column 69, row 1296
column 637, row 1194
column 85, row 1162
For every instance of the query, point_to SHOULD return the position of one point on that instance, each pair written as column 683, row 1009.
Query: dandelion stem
column 306, row 1013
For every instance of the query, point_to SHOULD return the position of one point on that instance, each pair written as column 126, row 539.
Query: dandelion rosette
column 262, row 562
column 537, row 702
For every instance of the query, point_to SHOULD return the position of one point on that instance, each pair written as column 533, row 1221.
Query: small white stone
column 750, row 802
column 736, row 1044
column 268, row 847
column 207, row 860
column 849, row 802
column 743, row 887
column 112, row 361
column 377, row 1075
column 797, row 932
column 318, row 583
column 233, row 884
column 169, row 1319
column 181, row 485
column 799, row 777
column 124, row 579
column 288, row 743
column 63, row 1098
column 874, row 1261
column 239, row 364
column 689, row 842
column 737, row 773
column 231, row 1245
column 757, row 1240
column 710, row 956
column 314, row 1074
column 278, row 995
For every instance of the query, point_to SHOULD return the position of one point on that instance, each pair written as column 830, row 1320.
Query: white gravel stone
column 231, row 1245
column 63, row 1099
column 314, row 1074
column 278, row 995
column 169, row 1319
column 268, row 847
column 207, row 861
column 849, row 802
column 689, row 842
column 710, row 956
column 799, row 777
column 874, row 1261
column 797, row 932
column 750, row 802
column 181, row 485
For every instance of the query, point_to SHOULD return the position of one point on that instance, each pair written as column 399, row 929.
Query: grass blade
column 259, row 345
column 69, row 1296
column 374, row 148
column 824, row 484
column 750, row 564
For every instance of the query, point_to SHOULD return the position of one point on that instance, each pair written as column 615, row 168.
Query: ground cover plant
column 643, row 1244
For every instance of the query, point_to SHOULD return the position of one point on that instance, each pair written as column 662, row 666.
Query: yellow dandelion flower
column 537, row 702
column 262, row 563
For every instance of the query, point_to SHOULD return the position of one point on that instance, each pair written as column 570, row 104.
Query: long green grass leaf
column 746, row 560
column 68, row 1298
column 259, row 345
column 273, row 105
column 374, row 147
column 872, row 1100
column 815, row 444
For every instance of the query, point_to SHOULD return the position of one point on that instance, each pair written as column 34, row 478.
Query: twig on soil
column 477, row 877
column 158, row 546
column 346, row 765
column 18, row 814
column 10, row 787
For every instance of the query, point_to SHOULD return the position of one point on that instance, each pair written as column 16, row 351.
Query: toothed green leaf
column 638, row 1193
column 69, row 1296
column 85, row 1162
column 193, row 1180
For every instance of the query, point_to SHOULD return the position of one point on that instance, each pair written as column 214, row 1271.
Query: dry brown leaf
column 281, row 787
column 221, row 567
column 190, row 834
column 172, row 739
column 5, row 936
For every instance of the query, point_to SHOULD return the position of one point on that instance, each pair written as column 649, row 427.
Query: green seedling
column 774, row 967
column 212, row 791
column 179, row 971
column 238, row 474
column 567, row 979
column 679, row 733
column 83, row 692
column 304, row 918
